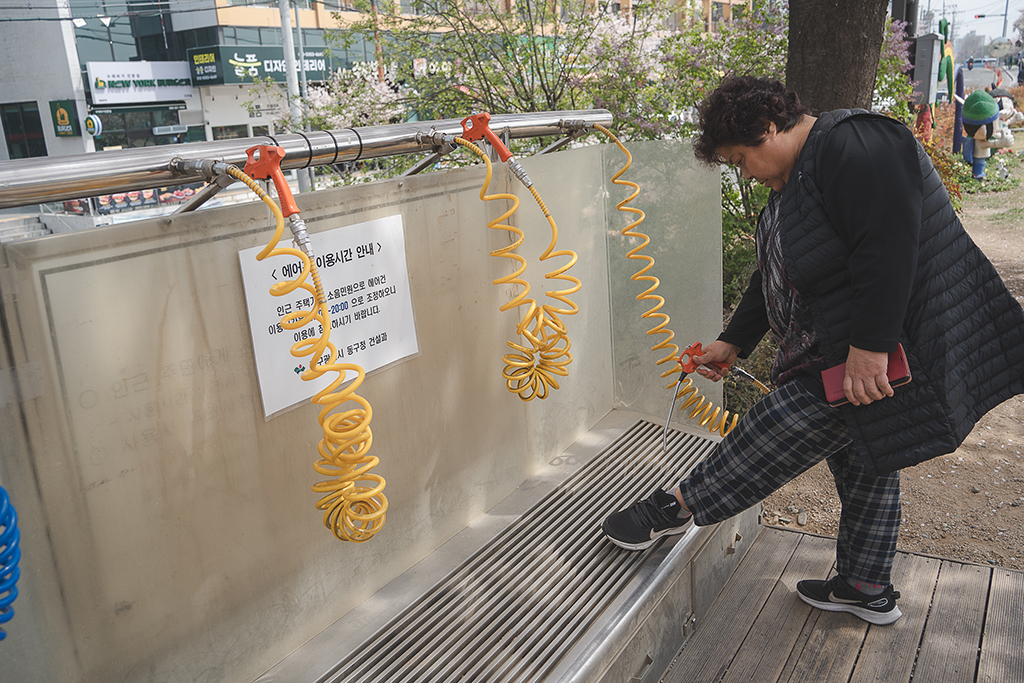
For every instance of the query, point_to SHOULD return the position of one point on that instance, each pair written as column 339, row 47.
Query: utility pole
column 308, row 172
column 293, row 81
column 376, row 42
column 302, row 51
column 110, row 37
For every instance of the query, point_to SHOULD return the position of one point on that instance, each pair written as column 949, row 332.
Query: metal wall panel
column 169, row 532
column 682, row 202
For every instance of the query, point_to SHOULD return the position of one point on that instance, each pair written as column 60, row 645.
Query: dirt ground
column 968, row 505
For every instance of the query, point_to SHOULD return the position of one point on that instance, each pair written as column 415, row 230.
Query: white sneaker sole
column 878, row 618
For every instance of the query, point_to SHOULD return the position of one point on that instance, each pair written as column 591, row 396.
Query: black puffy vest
column 963, row 331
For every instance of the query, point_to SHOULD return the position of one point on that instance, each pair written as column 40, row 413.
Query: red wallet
column 898, row 373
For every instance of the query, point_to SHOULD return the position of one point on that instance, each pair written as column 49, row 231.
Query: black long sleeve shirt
column 872, row 189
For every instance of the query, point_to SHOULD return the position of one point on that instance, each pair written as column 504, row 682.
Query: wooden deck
column 961, row 623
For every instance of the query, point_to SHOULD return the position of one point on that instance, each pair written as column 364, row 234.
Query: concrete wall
column 169, row 531
column 38, row 63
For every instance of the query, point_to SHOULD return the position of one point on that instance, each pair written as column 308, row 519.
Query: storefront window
column 270, row 36
column 138, row 119
column 314, row 38
column 23, row 129
column 241, row 35
column 110, row 42
column 114, row 139
column 165, row 118
column 230, row 132
column 361, row 50
column 122, row 130
column 197, row 37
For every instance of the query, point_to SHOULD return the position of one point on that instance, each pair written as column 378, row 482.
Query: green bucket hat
column 980, row 108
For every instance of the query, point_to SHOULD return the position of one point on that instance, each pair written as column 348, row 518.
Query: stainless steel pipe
column 50, row 179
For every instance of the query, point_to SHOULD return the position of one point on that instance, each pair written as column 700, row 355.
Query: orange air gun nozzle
column 265, row 162
column 477, row 126
column 690, row 365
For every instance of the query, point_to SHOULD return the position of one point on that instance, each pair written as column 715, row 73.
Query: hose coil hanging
column 532, row 371
column 704, row 413
column 354, row 503
column 716, row 419
column 10, row 554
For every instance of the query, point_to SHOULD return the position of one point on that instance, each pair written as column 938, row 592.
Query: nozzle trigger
column 478, row 126
column 265, row 162
column 690, row 365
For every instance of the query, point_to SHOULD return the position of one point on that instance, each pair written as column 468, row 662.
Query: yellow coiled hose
column 701, row 410
column 354, row 503
column 532, row 371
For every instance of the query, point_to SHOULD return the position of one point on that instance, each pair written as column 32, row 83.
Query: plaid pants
column 782, row 436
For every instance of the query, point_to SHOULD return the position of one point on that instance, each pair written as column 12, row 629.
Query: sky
column 961, row 13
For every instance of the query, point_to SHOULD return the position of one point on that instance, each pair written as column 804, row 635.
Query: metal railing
column 48, row 179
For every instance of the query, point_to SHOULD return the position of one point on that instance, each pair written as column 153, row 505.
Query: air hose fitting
column 10, row 555
column 299, row 234
column 532, row 369
column 353, row 501
column 208, row 168
column 715, row 419
column 354, row 504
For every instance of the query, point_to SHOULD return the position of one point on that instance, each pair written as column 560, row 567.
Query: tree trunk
column 834, row 46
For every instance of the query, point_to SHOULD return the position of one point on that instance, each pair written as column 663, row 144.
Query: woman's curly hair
column 738, row 113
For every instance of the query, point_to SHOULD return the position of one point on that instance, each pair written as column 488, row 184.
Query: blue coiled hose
column 10, row 553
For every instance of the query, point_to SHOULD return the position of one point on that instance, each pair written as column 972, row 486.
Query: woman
column 859, row 251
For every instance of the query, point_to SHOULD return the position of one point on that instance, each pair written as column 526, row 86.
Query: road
column 979, row 77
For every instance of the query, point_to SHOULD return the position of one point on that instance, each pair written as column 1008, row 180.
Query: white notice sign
column 366, row 282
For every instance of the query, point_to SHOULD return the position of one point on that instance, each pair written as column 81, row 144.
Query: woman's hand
column 716, row 352
column 866, row 380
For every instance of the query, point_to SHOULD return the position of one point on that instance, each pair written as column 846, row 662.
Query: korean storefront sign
column 94, row 125
column 366, row 283
column 65, row 118
column 225, row 65
column 128, row 82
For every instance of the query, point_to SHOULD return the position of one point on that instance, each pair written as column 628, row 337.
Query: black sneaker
column 640, row 525
column 836, row 595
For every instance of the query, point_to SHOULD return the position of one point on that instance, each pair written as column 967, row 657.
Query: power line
column 164, row 4
column 109, row 16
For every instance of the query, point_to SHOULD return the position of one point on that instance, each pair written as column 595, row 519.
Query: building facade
column 91, row 75
column 125, row 74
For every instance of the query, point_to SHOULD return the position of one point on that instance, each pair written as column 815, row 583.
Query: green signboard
column 223, row 65
column 93, row 125
column 129, row 108
column 65, row 118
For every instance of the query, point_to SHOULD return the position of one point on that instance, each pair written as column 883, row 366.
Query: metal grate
column 512, row 610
